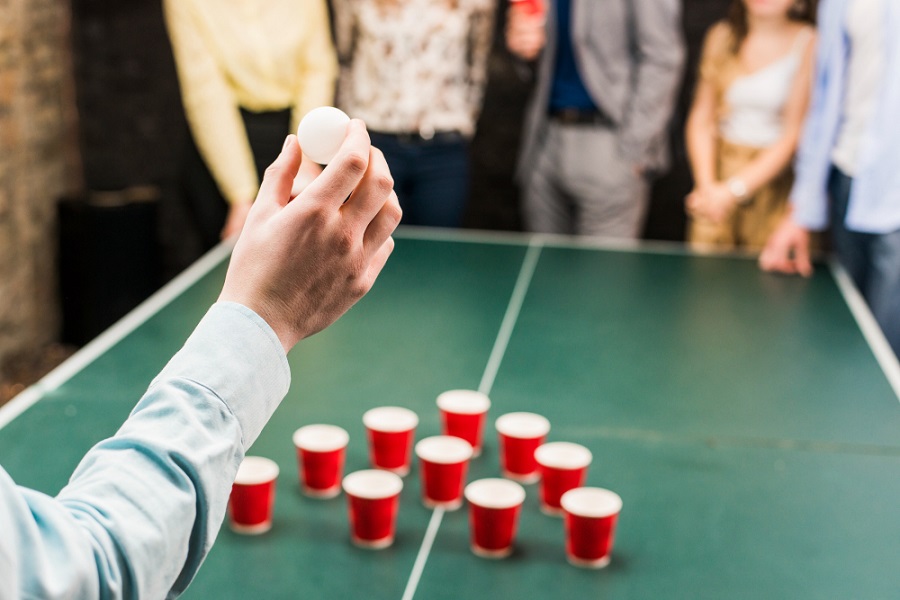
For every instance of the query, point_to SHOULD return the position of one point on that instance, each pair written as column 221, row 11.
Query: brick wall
column 38, row 163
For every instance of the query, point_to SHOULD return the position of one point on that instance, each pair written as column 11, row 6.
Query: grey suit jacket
column 630, row 56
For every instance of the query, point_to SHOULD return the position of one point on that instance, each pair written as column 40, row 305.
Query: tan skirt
column 749, row 226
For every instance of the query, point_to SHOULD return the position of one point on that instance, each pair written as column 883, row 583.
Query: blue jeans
column 872, row 260
column 431, row 177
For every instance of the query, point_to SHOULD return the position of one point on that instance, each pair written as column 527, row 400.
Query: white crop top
column 756, row 101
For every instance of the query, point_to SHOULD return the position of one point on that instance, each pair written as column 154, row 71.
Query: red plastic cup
column 253, row 496
column 563, row 467
column 462, row 415
column 374, row 498
column 494, row 506
column 443, row 460
column 320, row 454
column 591, row 515
column 534, row 7
column 520, row 435
column 390, row 430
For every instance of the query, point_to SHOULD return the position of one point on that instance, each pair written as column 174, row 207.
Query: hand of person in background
column 787, row 250
column 525, row 34
column 234, row 222
column 302, row 262
column 713, row 203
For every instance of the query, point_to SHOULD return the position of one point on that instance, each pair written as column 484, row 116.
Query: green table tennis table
column 749, row 421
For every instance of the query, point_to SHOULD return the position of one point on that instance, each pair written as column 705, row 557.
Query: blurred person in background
column 415, row 72
column 248, row 72
column 595, row 130
column 745, row 122
column 848, row 162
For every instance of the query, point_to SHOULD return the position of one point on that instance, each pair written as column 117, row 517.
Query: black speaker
column 109, row 258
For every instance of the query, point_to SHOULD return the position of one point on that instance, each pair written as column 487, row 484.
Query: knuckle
column 273, row 171
column 357, row 163
column 360, row 287
column 394, row 213
column 345, row 242
column 384, row 183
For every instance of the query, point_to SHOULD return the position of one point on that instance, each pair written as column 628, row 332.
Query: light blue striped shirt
column 143, row 508
column 875, row 196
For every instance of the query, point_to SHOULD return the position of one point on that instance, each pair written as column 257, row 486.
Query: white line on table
column 870, row 329
column 487, row 382
column 106, row 340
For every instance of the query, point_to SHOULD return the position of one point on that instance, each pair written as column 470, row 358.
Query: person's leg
column 851, row 247
column 265, row 133
column 882, row 291
column 544, row 206
column 610, row 196
column 397, row 155
column 439, row 187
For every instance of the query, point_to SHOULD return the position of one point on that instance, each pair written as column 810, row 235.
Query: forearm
column 143, row 508
column 768, row 164
column 700, row 138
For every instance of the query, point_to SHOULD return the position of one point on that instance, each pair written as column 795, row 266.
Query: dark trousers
column 205, row 203
column 872, row 260
column 431, row 177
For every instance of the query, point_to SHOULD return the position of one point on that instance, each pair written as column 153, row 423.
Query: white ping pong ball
column 321, row 133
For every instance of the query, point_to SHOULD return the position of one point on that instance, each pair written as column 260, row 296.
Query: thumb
column 801, row 258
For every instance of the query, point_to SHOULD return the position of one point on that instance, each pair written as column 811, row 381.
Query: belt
column 416, row 137
column 579, row 116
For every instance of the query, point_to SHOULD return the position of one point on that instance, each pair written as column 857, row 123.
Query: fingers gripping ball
column 321, row 133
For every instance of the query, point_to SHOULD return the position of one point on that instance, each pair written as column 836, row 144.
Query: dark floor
column 22, row 371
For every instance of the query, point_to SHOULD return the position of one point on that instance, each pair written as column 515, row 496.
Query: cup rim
column 320, row 437
column 358, row 484
column 494, row 492
column 464, row 402
column 444, row 449
column 255, row 470
column 523, row 425
column 390, row 419
column 563, row 455
column 591, row 502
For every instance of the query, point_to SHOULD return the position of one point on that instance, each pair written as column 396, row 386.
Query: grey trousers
column 581, row 185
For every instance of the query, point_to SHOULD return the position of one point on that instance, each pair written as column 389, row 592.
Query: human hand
column 234, row 222
column 712, row 202
column 787, row 250
column 303, row 262
column 309, row 170
column 525, row 34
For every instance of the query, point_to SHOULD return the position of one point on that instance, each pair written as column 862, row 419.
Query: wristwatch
column 738, row 189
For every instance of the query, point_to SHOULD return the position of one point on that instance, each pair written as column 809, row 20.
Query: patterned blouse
column 413, row 66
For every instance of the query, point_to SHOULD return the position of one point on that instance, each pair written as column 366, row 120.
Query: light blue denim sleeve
column 143, row 508
column 875, row 195
column 813, row 162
